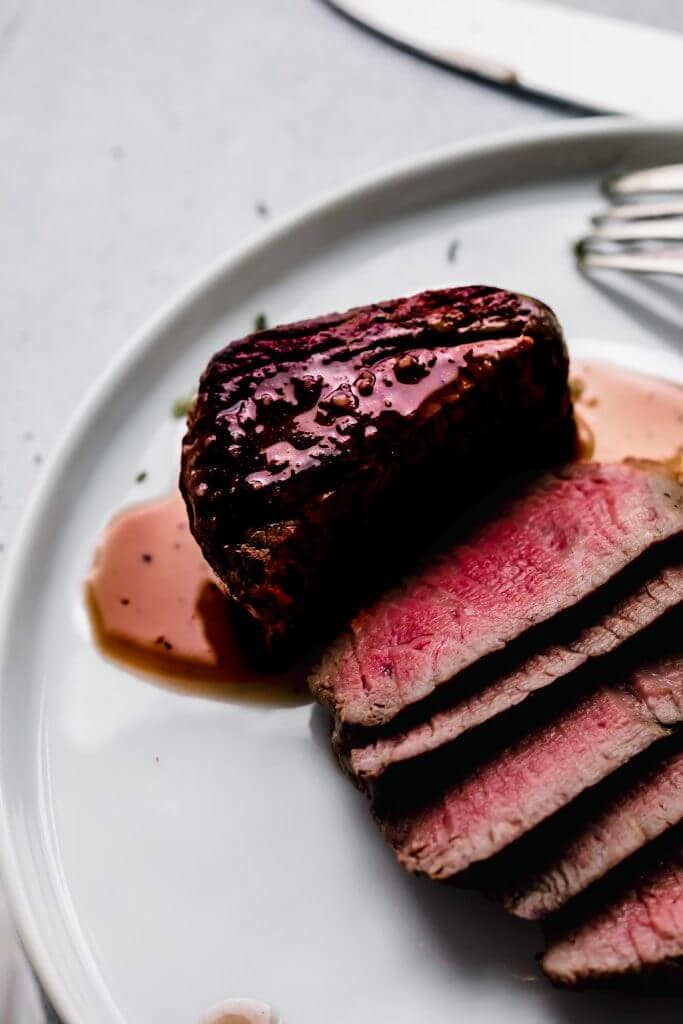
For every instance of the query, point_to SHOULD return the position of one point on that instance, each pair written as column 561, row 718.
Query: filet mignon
column 318, row 454
column 527, row 782
column 632, row 934
column 605, row 835
column 568, row 644
column 541, row 553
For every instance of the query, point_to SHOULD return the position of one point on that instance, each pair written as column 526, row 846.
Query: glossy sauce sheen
column 154, row 602
column 318, row 394
column 348, row 409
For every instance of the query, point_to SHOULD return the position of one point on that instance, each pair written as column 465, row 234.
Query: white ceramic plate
column 163, row 852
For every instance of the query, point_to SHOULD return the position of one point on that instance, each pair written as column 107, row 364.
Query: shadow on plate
column 656, row 305
column 320, row 726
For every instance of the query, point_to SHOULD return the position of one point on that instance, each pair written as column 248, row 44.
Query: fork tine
column 636, row 261
column 640, row 211
column 648, row 181
column 643, row 230
column 634, row 235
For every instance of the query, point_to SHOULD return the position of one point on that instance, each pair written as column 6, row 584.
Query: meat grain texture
column 526, row 783
column 637, row 815
column 635, row 936
column 543, row 552
column 570, row 647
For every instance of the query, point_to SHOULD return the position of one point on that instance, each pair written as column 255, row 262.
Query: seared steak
column 611, row 832
column 525, row 783
column 571, row 643
column 633, row 934
column 321, row 452
column 542, row 553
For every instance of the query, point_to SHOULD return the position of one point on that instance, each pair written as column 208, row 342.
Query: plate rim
column 54, row 980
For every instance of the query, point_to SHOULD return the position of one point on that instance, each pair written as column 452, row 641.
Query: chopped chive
column 142, row 475
column 182, row 406
column 260, row 322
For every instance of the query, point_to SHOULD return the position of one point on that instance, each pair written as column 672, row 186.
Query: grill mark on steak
column 540, row 554
column 628, row 933
column 311, row 446
column 562, row 647
column 527, row 782
column 606, row 832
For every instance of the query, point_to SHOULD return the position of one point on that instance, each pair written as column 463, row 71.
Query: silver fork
column 642, row 231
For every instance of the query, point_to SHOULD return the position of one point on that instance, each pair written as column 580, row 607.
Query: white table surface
column 139, row 140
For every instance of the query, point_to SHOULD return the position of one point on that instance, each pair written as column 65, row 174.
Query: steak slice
column 539, row 554
column 516, row 789
column 642, row 811
column 633, row 935
column 311, row 447
column 570, row 646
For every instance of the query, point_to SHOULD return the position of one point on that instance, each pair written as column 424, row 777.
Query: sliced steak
column 642, row 811
column 524, row 784
column 319, row 453
column 631, row 935
column 538, row 555
column 569, row 646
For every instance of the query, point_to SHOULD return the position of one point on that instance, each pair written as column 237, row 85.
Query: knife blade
column 588, row 59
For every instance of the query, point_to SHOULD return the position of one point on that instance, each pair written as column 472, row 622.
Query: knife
column 597, row 62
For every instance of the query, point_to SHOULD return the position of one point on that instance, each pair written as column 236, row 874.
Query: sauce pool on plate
column 623, row 414
column 155, row 605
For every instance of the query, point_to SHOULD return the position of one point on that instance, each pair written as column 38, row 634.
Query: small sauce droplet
column 165, row 616
column 241, row 1011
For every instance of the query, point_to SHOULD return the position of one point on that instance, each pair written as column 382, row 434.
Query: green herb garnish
column 260, row 322
column 142, row 475
column 182, row 406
